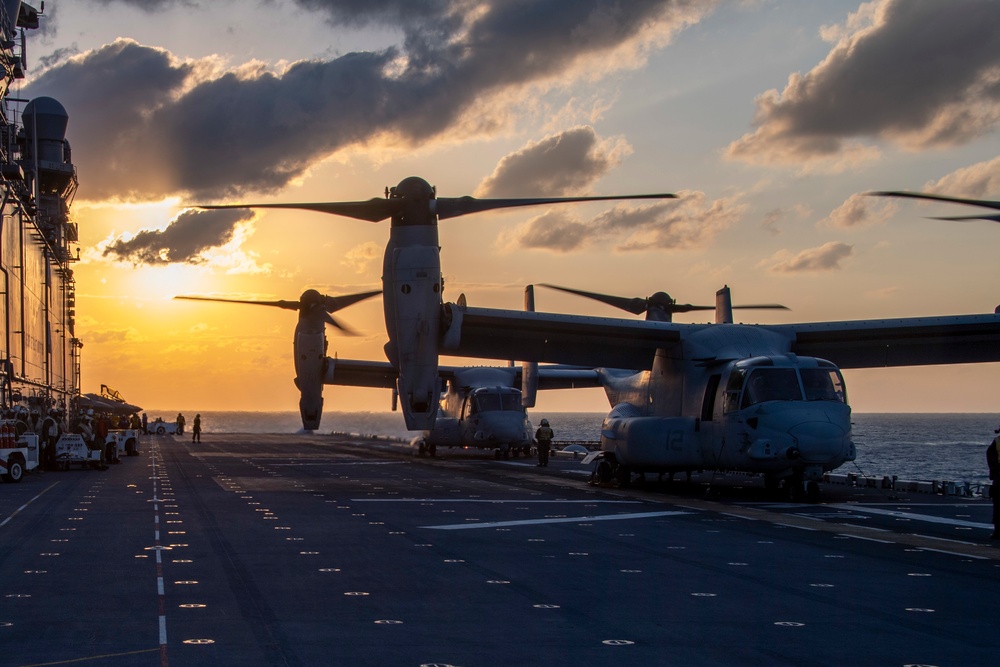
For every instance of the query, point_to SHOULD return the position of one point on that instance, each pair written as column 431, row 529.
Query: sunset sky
column 767, row 117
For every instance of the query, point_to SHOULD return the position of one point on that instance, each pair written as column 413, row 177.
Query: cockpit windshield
column 771, row 384
column 782, row 384
column 823, row 384
column 495, row 401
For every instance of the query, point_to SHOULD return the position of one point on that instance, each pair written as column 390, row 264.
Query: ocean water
column 939, row 447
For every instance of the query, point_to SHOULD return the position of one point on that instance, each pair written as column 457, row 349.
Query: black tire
column 161, row 430
column 15, row 470
column 602, row 472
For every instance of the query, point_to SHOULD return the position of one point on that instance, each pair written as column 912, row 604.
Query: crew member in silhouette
column 180, row 424
column 196, row 429
column 994, row 465
column 544, row 437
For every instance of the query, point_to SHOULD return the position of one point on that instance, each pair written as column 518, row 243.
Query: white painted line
column 867, row 539
column 479, row 500
column 953, row 553
column 910, row 515
column 790, row 525
column 578, row 519
column 945, row 539
column 15, row 512
column 877, row 530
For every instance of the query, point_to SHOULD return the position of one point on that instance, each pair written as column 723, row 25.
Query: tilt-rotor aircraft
column 481, row 406
column 412, row 288
column 767, row 399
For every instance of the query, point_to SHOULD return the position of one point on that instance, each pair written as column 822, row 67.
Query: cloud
column 917, row 73
column 567, row 163
column 689, row 223
column 773, row 217
column 827, row 257
column 361, row 256
column 978, row 181
column 146, row 125
column 860, row 211
column 185, row 239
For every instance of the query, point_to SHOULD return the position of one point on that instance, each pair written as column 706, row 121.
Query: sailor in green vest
column 544, row 437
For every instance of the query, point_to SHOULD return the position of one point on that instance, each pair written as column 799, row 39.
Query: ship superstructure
column 39, row 350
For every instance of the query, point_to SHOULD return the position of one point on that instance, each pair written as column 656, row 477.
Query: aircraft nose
column 503, row 429
column 819, row 441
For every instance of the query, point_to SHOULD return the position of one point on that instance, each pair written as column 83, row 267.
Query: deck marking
column 475, row 500
column 953, row 553
column 533, row 522
column 910, row 515
column 867, row 539
column 15, row 512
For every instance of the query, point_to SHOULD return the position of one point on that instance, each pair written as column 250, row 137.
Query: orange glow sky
column 767, row 117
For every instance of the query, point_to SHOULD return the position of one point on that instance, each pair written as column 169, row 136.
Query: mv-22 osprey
column 481, row 406
column 686, row 396
column 765, row 399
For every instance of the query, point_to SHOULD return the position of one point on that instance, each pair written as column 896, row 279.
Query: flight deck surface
column 327, row 550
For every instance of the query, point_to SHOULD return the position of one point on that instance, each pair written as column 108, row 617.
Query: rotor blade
column 764, row 306
column 335, row 303
column 955, row 200
column 373, row 210
column 687, row 308
column 635, row 306
column 334, row 323
column 287, row 305
column 452, row 207
column 991, row 218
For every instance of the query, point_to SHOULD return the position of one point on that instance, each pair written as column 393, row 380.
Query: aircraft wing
column 616, row 343
column 355, row 373
column 551, row 376
column 915, row 341
column 568, row 339
column 382, row 374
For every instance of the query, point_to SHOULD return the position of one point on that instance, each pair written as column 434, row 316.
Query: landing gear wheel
column 15, row 471
column 602, row 473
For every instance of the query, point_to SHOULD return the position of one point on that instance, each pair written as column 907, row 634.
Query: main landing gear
column 792, row 488
column 425, row 449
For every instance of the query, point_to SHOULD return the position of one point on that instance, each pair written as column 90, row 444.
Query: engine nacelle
column 413, row 313
column 653, row 443
column 310, row 366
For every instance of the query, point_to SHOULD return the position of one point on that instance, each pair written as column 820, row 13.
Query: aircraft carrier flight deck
column 332, row 550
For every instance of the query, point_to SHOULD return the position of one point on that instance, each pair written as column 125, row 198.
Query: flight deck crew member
column 544, row 437
column 196, row 429
column 180, row 424
column 994, row 465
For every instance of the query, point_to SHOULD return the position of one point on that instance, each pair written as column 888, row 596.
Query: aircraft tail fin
column 724, row 306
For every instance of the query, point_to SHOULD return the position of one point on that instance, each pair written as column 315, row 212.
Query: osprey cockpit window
column 823, row 384
column 511, row 401
column 733, row 388
column 771, row 384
